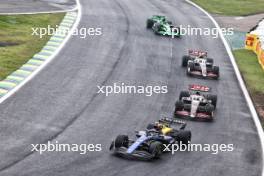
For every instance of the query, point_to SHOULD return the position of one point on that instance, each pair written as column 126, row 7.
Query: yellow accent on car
column 165, row 130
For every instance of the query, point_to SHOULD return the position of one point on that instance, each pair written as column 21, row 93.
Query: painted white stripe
column 61, row 29
column 53, row 43
column 67, row 20
column 40, row 56
column 49, row 47
column 65, row 24
column 240, row 80
column 47, row 51
column 56, row 39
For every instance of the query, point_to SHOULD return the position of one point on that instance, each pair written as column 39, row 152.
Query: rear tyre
column 179, row 105
column 150, row 126
column 216, row 71
column 155, row 149
column 121, row 141
column 210, row 60
column 213, row 98
column 185, row 60
column 209, row 108
column 191, row 66
column 150, row 23
column 156, row 28
column 177, row 30
column 184, row 136
column 184, row 94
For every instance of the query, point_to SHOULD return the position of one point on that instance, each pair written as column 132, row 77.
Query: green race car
column 161, row 26
column 156, row 19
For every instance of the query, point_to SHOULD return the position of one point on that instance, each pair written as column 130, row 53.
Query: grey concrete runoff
column 35, row 6
column 61, row 103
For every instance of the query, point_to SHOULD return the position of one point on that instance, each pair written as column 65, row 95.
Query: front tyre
column 210, row 60
column 191, row 66
column 213, row 98
column 216, row 71
column 121, row 141
column 184, row 94
column 179, row 106
column 185, row 60
column 155, row 149
column 184, row 137
column 149, row 24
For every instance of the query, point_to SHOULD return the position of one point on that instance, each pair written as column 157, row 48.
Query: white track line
column 43, row 12
column 75, row 25
column 240, row 80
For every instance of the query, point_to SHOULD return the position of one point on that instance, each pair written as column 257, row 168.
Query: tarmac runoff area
column 241, row 25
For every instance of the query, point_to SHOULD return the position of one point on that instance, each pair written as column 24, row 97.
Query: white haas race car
column 199, row 65
column 195, row 105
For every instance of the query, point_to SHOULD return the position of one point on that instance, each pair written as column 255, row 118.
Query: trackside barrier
column 255, row 41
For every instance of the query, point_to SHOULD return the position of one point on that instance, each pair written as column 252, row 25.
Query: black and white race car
column 195, row 105
column 198, row 64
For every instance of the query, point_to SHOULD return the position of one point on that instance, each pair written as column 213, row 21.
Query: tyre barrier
column 39, row 59
column 255, row 41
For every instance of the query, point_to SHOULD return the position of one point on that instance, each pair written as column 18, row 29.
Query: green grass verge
column 251, row 70
column 232, row 7
column 17, row 45
column 253, row 75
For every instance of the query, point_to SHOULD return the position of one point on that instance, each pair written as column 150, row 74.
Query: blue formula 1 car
column 150, row 143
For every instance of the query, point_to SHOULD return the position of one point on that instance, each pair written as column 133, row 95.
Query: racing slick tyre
column 179, row 105
column 209, row 108
column 216, row 71
column 185, row 60
column 121, row 141
column 213, row 98
column 184, row 94
column 177, row 30
column 150, row 23
column 210, row 60
column 151, row 126
column 156, row 28
column 184, row 136
column 155, row 149
column 191, row 66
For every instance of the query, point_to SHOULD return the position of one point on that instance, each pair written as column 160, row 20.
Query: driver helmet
column 200, row 55
column 158, row 126
column 197, row 93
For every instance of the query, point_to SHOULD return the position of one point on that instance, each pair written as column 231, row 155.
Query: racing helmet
column 158, row 126
column 197, row 93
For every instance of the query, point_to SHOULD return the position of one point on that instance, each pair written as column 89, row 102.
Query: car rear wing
column 201, row 88
column 197, row 53
column 173, row 121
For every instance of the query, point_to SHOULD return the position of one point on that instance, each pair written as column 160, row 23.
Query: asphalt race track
column 31, row 6
column 61, row 103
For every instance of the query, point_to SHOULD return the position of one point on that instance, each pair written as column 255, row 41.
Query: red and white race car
column 198, row 64
column 195, row 105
